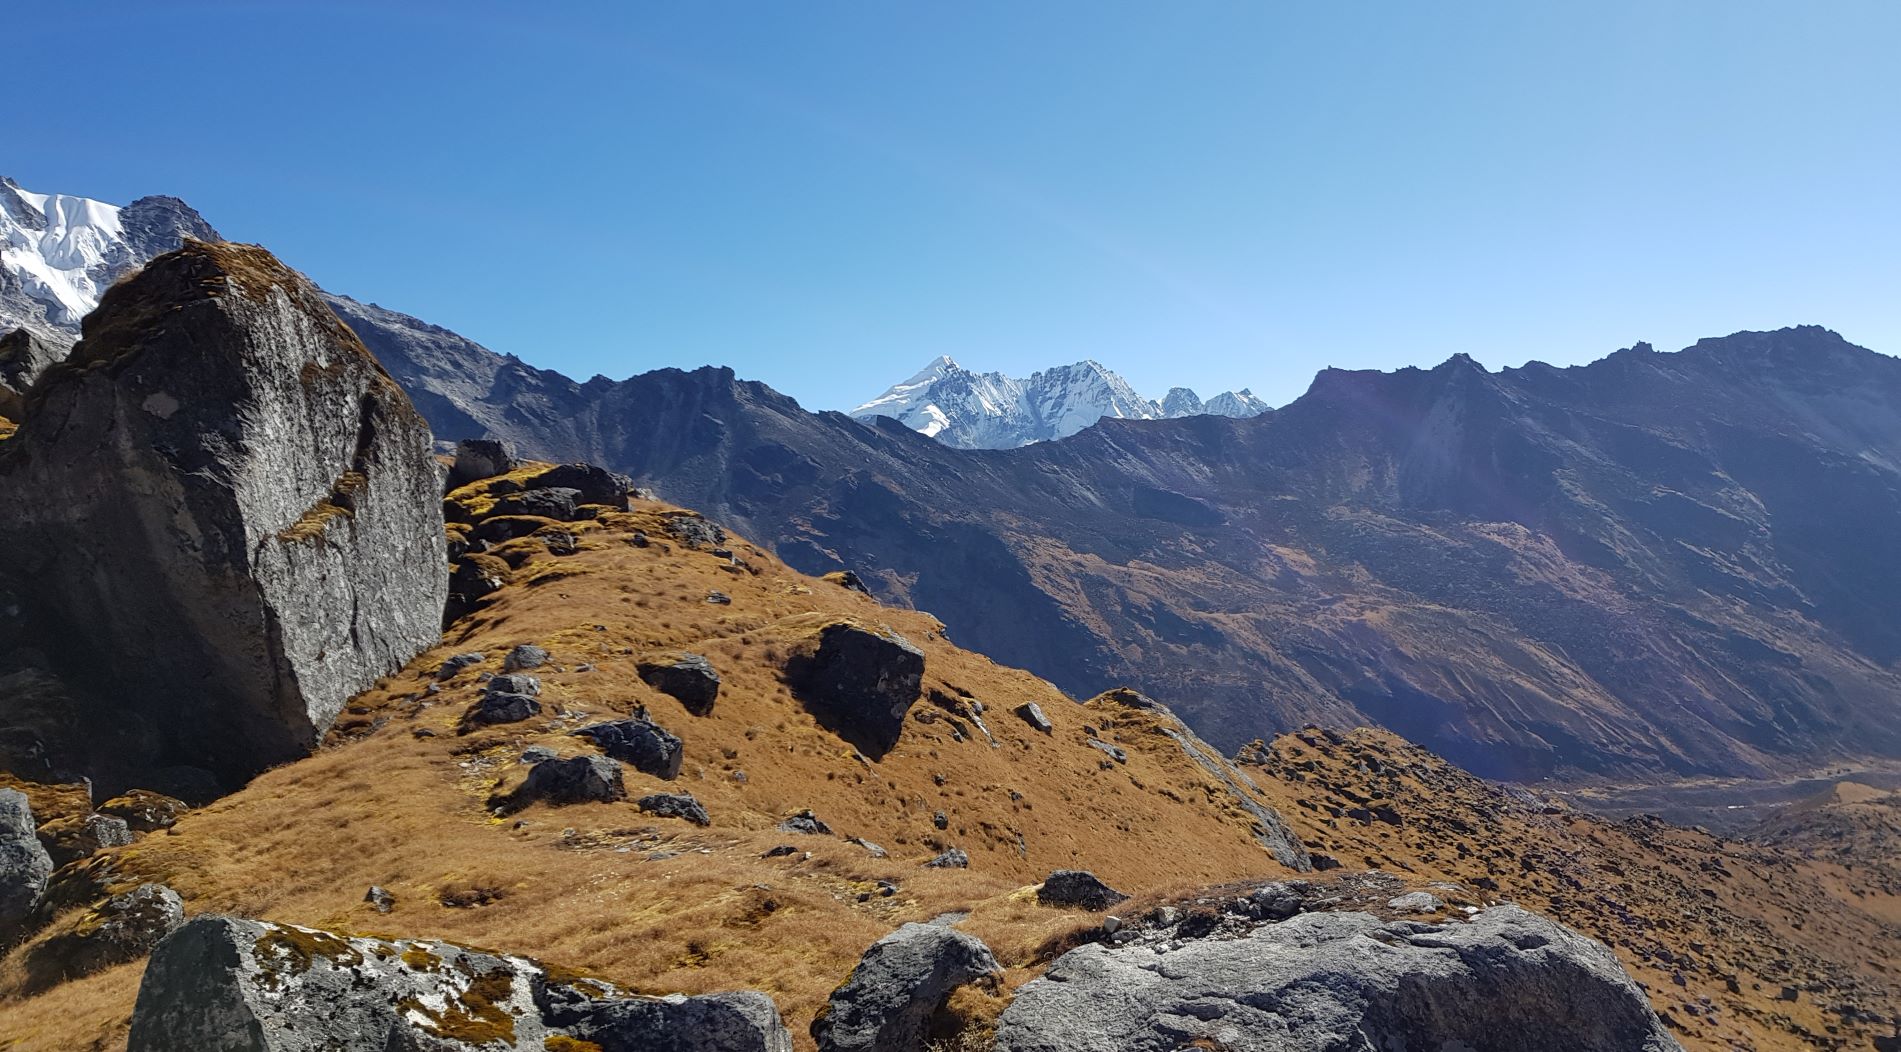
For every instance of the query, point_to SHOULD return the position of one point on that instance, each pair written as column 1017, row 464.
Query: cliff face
column 227, row 515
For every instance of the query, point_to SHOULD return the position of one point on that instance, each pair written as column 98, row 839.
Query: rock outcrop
column 858, row 680
column 1504, row 981
column 887, row 1003
column 227, row 983
column 687, row 678
column 227, row 516
column 24, row 355
column 24, row 863
column 640, row 743
column 122, row 928
column 1078, row 888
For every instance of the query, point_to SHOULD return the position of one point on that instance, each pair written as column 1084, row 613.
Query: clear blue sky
column 825, row 195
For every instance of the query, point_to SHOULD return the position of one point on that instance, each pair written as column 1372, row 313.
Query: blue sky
column 826, row 195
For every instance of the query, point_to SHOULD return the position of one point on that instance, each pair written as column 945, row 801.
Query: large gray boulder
column 222, row 983
column 25, row 866
column 858, row 680
column 1504, row 981
column 886, row 1005
column 224, row 513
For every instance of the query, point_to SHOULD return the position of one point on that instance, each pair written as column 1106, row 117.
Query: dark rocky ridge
column 227, row 522
column 1655, row 564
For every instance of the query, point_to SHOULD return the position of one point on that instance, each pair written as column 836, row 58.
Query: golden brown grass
column 655, row 904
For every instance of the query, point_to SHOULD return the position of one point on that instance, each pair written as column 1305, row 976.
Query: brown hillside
column 1740, row 944
column 399, row 798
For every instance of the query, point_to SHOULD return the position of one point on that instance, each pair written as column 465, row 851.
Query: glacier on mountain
column 972, row 410
column 59, row 253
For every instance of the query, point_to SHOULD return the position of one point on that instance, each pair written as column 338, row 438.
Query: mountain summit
column 992, row 411
column 59, row 253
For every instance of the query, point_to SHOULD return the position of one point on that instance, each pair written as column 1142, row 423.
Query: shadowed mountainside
column 1654, row 564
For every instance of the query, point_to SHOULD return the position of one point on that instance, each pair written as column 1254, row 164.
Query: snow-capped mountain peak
column 993, row 411
column 59, row 253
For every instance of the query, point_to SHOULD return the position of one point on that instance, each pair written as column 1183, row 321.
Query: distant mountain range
column 992, row 411
column 1655, row 565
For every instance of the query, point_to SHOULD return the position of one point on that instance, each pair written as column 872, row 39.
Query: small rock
column 848, row 580
column 144, row 810
column 538, row 754
column 780, row 851
column 457, row 663
column 380, row 899
column 639, row 742
column 955, row 858
column 477, row 459
column 525, row 656
column 719, row 598
column 805, row 822
column 675, row 805
column 1114, row 752
column 870, row 848
column 1032, row 714
column 1275, row 901
column 578, row 779
column 1416, row 902
column 1079, row 888
column 940, row 820
column 689, row 679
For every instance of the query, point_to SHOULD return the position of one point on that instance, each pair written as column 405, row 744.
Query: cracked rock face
column 1505, row 981
column 230, row 520
column 227, row 983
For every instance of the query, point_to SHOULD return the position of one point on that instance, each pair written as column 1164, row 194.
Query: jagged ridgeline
column 223, row 521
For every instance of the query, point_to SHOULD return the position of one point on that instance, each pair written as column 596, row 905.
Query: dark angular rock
column 848, row 580
column 526, row 656
column 497, row 707
column 689, row 679
column 249, row 526
column 144, row 810
column 479, row 458
column 694, row 531
column 380, row 899
column 805, row 822
column 124, row 927
column 675, row 805
column 513, row 683
column 25, row 867
column 228, row 983
column 955, row 858
column 548, row 502
column 1078, row 888
column 1114, row 752
column 719, row 599
column 1032, row 714
column 459, row 662
column 576, row 780
column 859, row 681
column 901, row 981
column 592, row 485
column 640, row 743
